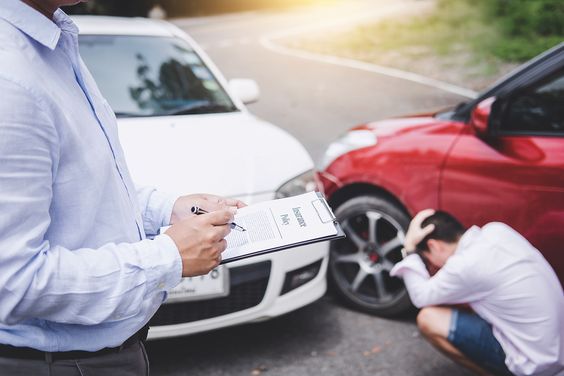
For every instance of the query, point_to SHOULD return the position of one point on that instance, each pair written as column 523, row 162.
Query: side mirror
column 246, row 90
column 480, row 116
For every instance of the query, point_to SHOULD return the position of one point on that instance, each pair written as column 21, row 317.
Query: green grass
column 525, row 28
column 452, row 23
column 467, row 42
column 489, row 32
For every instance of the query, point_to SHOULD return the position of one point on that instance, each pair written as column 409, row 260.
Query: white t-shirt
column 509, row 284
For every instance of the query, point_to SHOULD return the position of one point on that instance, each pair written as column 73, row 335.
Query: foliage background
column 527, row 27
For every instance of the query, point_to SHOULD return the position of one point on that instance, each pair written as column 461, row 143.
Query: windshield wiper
column 200, row 107
column 459, row 106
column 128, row 115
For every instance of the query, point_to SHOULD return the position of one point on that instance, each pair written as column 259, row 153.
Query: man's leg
column 434, row 323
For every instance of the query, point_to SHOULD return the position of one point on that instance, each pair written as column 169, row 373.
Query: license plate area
column 212, row 285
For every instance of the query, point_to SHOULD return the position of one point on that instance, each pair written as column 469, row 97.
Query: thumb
column 221, row 217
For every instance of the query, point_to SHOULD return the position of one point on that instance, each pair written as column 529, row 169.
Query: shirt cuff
column 163, row 265
column 158, row 211
column 411, row 262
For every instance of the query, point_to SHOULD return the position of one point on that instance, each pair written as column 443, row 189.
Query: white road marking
column 268, row 42
column 368, row 67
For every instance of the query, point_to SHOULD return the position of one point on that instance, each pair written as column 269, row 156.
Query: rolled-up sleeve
column 450, row 285
column 39, row 280
column 156, row 208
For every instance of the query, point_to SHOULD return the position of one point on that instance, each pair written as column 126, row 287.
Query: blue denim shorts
column 473, row 337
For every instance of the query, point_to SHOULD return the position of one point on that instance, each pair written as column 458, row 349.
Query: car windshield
column 152, row 76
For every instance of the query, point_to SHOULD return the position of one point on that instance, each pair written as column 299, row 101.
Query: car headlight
column 306, row 182
column 352, row 140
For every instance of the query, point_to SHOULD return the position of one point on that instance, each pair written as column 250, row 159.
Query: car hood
column 232, row 154
column 401, row 125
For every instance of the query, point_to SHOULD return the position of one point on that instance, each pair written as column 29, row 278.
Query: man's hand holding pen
column 199, row 211
column 200, row 239
column 183, row 205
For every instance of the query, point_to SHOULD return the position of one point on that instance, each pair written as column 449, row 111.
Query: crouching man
column 516, row 321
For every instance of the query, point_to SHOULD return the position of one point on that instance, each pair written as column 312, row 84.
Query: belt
column 7, row 351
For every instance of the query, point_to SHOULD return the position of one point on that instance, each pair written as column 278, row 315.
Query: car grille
column 248, row 285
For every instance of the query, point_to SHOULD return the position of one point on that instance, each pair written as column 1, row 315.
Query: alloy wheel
column 360, row 264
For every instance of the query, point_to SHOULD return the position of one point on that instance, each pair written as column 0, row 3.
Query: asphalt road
column 323, row 338
column 316, row 102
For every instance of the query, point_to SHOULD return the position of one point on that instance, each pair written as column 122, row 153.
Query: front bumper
column 256, row 285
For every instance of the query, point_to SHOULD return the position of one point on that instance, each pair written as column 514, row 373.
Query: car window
column 537, row 110
column 152, row 76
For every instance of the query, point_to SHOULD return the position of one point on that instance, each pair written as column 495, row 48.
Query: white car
column 185, row 129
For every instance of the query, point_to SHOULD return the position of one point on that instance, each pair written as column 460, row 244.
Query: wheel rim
column 361, row 263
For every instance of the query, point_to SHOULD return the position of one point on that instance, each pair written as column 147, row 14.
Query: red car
column 499, row 157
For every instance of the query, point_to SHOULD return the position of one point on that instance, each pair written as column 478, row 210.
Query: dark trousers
column 131, row 361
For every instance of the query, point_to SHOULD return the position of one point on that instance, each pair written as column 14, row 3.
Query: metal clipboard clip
column 323, row 211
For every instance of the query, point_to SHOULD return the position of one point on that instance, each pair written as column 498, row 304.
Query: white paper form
column 280, row 223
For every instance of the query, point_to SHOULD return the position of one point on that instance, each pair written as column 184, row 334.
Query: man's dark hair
column 447, row 229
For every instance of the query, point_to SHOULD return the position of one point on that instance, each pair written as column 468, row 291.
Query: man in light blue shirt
column 78, row 276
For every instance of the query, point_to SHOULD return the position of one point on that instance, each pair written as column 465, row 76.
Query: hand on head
column 415, row 234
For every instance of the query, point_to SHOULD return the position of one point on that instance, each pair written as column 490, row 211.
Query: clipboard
column 321, row 208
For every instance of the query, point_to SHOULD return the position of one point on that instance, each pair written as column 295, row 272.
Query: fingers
column 216, row 234
column 201, row 240
column 213, row 253
column 427, row 230
column 220, row 217
column 216, row 202
column 234, row 202
column 421, row 216
column 415, row 233
column 222, row 246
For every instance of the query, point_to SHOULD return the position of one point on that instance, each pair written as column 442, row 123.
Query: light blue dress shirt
column 76, row 271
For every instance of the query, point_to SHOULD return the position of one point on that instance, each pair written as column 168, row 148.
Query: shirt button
column 161, row 286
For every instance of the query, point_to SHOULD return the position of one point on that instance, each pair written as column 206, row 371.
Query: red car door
column 516, row 175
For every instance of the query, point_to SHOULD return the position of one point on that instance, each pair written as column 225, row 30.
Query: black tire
column 359, row 265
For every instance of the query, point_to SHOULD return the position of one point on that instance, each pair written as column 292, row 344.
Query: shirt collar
column 468, row 238
column 35, row 24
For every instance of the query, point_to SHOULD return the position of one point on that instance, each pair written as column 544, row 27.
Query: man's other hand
column 210, row 203
column 201, row 240
column 415, row 233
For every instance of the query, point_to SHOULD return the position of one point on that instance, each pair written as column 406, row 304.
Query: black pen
column 197, row 210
